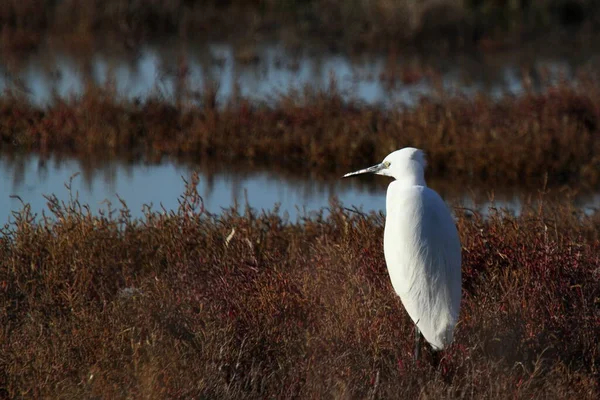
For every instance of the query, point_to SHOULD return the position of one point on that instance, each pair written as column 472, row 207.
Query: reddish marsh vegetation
column 193, row 305
column 511, row 141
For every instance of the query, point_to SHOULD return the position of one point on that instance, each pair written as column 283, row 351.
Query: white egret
column 422, row 248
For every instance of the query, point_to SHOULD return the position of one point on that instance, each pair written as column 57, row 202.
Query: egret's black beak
column 371, row 170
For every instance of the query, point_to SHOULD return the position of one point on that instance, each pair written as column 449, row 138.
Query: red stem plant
column 246, row 305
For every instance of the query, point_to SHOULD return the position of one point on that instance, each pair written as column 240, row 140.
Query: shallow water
column 161, row 186
column 157, row 69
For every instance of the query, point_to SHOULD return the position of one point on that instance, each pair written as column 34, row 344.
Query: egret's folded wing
column 422, row 252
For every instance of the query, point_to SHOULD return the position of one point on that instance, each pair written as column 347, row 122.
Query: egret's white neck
column 411, row 175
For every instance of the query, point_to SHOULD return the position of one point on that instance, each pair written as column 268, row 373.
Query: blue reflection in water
column 162, row 184
column 154, row 70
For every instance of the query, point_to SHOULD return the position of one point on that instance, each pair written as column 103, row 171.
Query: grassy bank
column 193, row 305
column 514, row 141
column 353, row 25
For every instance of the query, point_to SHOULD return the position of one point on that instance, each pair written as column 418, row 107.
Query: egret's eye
column 387, row 164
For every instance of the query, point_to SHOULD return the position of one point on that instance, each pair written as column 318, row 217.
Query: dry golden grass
column 187, row 304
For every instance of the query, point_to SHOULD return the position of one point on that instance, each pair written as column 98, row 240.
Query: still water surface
column 161, row 185
column 155, row 70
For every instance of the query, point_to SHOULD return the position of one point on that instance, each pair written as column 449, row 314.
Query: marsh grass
column 248, row 305
column 517, row 140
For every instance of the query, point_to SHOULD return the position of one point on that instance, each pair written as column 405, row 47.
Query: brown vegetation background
column 517, row 141
column 350, row 25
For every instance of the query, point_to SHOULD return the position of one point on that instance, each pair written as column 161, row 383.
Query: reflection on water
column 138, row 184
column 271, row 69
column 375, row 79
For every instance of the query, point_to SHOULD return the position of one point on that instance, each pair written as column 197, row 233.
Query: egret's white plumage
column 421, row 247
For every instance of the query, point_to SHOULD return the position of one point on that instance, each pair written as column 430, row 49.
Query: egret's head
column 404, row 163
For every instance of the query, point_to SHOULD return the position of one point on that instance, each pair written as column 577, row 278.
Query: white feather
column 422, row 247
column 422, row 252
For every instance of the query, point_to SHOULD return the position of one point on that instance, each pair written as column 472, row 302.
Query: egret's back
column 423, row 255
